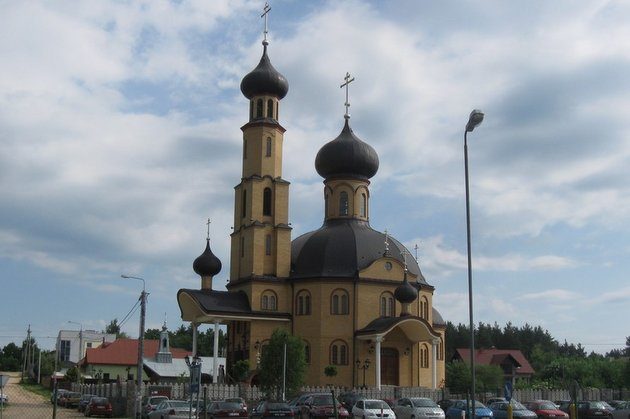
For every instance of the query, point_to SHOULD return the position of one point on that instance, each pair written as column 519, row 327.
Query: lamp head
column 475, row 118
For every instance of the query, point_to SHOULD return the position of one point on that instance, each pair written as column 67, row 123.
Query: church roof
column 207, row 264
column 264, row 79
column 438, row 320
column 346, row 156
column 220, row 301
column 341, row 248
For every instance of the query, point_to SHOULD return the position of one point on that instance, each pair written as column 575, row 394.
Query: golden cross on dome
column 347, row 82
column 386, row 243
column 405, row 252
column 208, row 226
column 266, row 10
column 415, row 248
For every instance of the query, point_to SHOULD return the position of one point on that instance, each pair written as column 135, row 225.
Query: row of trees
column 555, row 364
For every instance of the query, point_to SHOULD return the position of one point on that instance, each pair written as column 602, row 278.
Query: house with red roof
column 511, row 361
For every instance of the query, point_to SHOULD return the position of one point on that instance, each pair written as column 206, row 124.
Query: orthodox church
column 352, row 293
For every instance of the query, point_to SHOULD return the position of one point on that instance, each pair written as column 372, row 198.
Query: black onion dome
column 405, row 293
column 341, row 248
column 264, row 79
column 207, row 264
column 346, row 156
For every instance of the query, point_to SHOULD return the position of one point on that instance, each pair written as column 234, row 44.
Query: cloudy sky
column 120, row 135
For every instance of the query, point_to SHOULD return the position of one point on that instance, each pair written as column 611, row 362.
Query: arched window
column 326, row 206
column 343, row 203
column 267, row 201
column 424, row 308
column 268, row 245
column 339, row 302
column 251, row 110
column 338, row 353
column 259, row 108
column 270, row 108
column 268, row 147
column 363, row 205
column 244, row 204
column 424, row 356
column 307, row 352
column 268, row 301
column 303, row 303
column 440, row 350
column 387, row 304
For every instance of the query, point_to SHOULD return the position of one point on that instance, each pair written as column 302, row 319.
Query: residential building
column 72, row 344
column 512, row 361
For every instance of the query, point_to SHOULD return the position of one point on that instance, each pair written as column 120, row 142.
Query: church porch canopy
column 416, row 329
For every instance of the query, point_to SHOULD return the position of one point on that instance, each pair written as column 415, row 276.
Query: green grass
column 37, row 389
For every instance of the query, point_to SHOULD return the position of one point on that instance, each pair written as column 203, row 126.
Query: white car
column 4, row 399
column 416, row 408
column 372, row 408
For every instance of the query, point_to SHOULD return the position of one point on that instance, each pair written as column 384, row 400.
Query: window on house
column 363, row 205
column 387, row 304
column 267, row 201
column 343, row 203
column 338, row 353
column 244, row 204
column 64, row 350
column 339, row 302
column 424, row 356
column 268, row 245
column 269, row 108
column 303, row 303
column 259, row 108
column 268, row 148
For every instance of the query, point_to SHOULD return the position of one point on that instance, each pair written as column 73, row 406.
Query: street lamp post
column 143, row 310
column 475, row 118
column 80, row 349
column 364, row 367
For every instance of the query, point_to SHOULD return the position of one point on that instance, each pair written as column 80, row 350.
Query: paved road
column 25, row 404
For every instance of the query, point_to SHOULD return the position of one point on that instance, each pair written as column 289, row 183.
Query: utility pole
column 26, row 351
column 143, row 312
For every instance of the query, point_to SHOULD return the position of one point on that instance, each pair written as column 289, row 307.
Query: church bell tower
column 261, row 241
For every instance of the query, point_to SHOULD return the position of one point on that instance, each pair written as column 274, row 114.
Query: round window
column 388, row 266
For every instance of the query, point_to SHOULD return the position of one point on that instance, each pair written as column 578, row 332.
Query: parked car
column 459, row 406
column 297, row 403
column 417, row 407
column 349, row 398
column 172, row 409
column 150, row 403
column 60, row 392
column 500, row 410
column 237, row 400
column 492, row 400
column 271, row 410
column 83, row 401
column 545, row 409
column 593, row 410
column 222, row 409
column 372, row 408
column 4, row 399
column 622, row 411
column 69, row 399
column 618, row 404
column 322, row 406
column 99, row 406
column 445, row 404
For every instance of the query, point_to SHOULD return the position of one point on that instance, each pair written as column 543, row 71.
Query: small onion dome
column 207, row 264
column 264, row 79
column 405, row 293
column 346, row 156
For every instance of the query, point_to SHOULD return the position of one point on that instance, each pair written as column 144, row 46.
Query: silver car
column 416, row 408
column 172, row 409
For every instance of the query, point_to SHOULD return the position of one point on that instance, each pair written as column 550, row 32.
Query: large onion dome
column 264, row 80
column 406, row 293
column 346, row 156
column 207, row 264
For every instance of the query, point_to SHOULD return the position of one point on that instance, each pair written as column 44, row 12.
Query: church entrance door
column 389, row 366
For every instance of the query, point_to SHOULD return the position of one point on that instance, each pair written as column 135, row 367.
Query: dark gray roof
column 220, row 301
column 341, row 248
column 264, row 79
column 346, row 156
column 384, row 323
column 207, row 264
column 438, row 320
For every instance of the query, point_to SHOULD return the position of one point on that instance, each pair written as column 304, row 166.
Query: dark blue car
column 459, row 406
